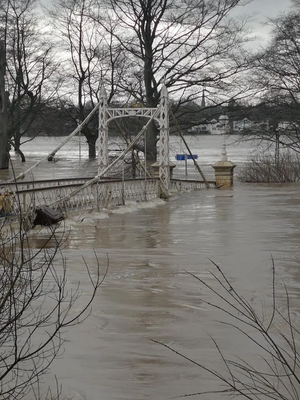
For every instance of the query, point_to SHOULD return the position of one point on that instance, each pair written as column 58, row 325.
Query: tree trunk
column 92, row 147
column 151, row 141
column 277, row 148
column 4, row 147
column 17, row 147
column 21, row 154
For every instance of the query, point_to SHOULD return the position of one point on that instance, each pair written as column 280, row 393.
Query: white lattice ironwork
column 95, row 196
column 164, row 168
column 114, row 113
column 160, row 114
column 102, row 131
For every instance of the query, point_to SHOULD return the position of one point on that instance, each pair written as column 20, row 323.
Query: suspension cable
column 105, row 170
column 52, row 154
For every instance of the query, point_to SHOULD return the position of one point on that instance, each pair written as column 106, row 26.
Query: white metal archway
column 160, row 113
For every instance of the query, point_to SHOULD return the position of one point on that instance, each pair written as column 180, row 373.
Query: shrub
column 264, row 169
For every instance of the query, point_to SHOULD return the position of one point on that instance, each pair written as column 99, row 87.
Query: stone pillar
column 155, row 169
column 224, row 171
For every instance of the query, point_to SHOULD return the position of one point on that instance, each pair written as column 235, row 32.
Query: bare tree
column 276, row 376
column 36, row 304
column 296, row 3
column 277, row 77
column 30, row 69
column 187, row 45
column 91, row 60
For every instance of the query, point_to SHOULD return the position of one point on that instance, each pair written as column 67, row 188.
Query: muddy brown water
column 148, row 295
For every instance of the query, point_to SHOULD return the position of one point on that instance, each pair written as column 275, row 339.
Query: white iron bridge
column 99, row 192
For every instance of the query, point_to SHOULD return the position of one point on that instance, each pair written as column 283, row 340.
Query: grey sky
column 268, row 8
column 262, row 10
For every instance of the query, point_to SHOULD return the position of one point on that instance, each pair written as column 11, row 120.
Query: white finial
column 164, row 91
column 224, row 124
column 103, row 94
column 224, row 153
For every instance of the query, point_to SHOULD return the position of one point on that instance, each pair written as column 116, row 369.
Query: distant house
column 216, row 128
column 199, row 129
column 243, row 125
column 288, row 126
column 212, row 127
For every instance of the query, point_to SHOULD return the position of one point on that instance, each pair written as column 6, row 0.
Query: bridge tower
column 163, row 154
column 102, row 131
column 160, row 114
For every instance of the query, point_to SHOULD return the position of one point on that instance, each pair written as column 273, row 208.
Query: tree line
column 58, row 55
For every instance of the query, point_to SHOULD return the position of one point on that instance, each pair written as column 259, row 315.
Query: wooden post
column 192, row 156
column 4, row 147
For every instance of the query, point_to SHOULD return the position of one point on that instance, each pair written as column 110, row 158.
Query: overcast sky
column 262, row 10
column 269, row 8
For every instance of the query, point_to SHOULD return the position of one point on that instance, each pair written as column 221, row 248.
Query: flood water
column 149, row 296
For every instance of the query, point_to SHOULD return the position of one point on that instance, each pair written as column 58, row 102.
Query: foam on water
column 133, row 206
column 87, row 217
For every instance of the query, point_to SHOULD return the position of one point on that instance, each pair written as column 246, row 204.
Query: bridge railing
column 178, row 185
column 99, row 195
column 102, row 194
column 38, row 184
